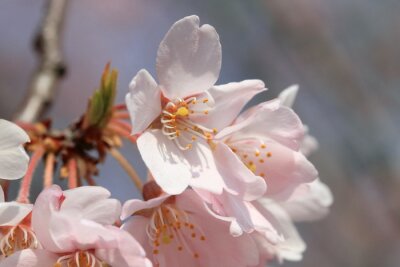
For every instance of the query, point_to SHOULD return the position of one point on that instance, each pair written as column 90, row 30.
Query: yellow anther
column 206, row 112
column 205, row 100
column 215, row 130
column 263, row 146
column 252, row 167
column 269, row 154
column 194, row 138
column 182, row 111
column 257, row 153
column 166, row 239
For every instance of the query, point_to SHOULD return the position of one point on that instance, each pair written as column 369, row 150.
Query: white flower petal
column 188, row 58
column 165, row 161
column 288, row 96
column 229, row 101
column 93, row 203
column 13, row 163
column 143, row 101
column 133, row 205
column 12, row 213
column 309, row 202
column 11, row 135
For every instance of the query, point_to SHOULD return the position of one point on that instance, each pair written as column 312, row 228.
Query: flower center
column 171, row 227
column 254, row 154
column 80, row 259
column 178, row 126
column 18, row 238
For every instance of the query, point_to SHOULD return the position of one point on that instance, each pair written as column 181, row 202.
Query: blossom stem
column 49, row 170
column 119, row 107
column 124, row 133
column 127, row 167
column 121, row 115
column 122, row 124
column 23, row 195
column 72, row 174
column 90, row 180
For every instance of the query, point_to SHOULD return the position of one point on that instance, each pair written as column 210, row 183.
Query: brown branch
column 51, row 67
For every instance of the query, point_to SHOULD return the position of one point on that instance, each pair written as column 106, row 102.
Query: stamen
column 177, row 125
column 79, row 259
column 18, row 238
column 170, row 226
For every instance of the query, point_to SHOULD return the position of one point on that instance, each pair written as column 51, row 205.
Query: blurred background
column 344, row 54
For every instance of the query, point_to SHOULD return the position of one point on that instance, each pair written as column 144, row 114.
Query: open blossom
column 267, row 139
column 291, row 247
column 287, row 97
column 13, row 158
column 178, row 231
column 15, row 227
column 74, row 229
column 177, row 119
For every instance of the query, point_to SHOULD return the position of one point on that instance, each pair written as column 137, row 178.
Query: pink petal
column 309, row 143
column 30, row 258
column 12, row 213
column 309, row 202
column 143, row 101
column 188, row 58
column 47, row 203
column 268, row 120
column 288, row 96
column 134, row 205
column 283, row 168
column 165, row 161
column 229, row 101
column 218, row 248
column 128, row 253
column 93, row 203
column 237, row 177
column 292, row 246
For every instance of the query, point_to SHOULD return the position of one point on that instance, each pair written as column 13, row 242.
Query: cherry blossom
column 291, row 247
column 15, row 227
column 267, row 139
column 309, row 143
column 179, row 231
column 177, row 119
column 13, row 158
column 74, row 229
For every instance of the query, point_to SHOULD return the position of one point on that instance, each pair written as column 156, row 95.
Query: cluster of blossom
column 224, row 186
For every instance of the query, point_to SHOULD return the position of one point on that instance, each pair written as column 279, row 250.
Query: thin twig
column 127, row 167
column 51, row 67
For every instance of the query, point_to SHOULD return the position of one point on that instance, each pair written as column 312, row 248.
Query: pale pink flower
column 267, row 139
column 13, row 158
column 309, row 143
column 179, row 231
column 74, row 229
column 15, row 228
column 177, row 118
column 308, row 202
column 291, row 247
